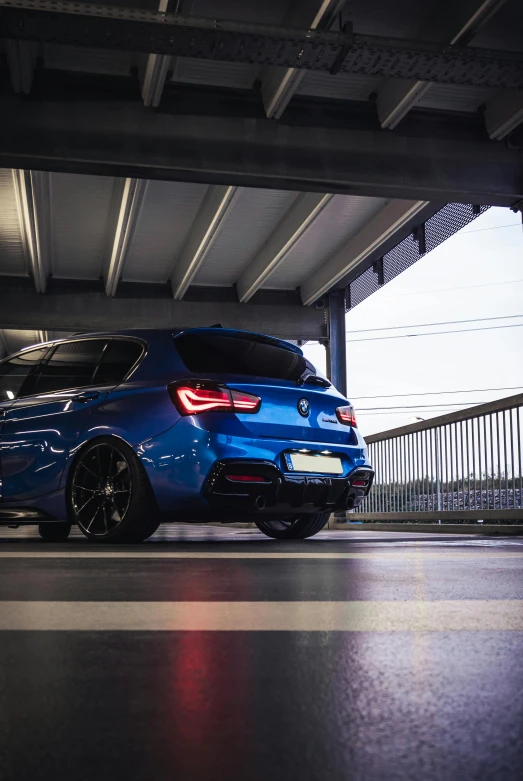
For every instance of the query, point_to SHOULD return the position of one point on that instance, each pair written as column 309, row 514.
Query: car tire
column 298, row 528
column 54, row 532
column 109, row 495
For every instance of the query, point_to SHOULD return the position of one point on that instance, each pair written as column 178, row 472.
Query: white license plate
column 327, row 465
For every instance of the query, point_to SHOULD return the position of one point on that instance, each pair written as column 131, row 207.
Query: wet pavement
column 216, row 653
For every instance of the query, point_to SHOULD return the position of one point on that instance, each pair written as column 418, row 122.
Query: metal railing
column 466, row 465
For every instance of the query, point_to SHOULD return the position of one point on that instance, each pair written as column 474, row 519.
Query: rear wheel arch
column 80, row 446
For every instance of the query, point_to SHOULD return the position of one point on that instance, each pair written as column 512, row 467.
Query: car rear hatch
column 280, row 417
column 296, row 403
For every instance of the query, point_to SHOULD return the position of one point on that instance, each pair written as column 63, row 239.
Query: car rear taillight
column 194, row 397
column 346, row 415
column 245, row 402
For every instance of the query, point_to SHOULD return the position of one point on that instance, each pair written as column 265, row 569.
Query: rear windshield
column 204, row 353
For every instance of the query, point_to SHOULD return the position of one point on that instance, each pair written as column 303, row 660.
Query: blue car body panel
column 41, row 435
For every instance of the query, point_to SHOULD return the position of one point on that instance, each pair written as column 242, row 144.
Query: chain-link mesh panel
column 437, row 229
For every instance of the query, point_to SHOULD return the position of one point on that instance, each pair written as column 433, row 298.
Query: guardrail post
column 438, row 482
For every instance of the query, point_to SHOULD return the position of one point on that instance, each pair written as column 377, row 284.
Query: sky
column 477, row 273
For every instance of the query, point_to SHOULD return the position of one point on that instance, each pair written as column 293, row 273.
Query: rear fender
column 86, row 437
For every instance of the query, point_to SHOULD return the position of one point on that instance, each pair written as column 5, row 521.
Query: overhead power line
column 404, row 412
column 418, row 406
column 444, row 322
column 437, row 393
column 492, row 228
column 446, row 289
column 434, row 333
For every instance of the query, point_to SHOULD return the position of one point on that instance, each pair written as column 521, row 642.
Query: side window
column 117, row 361
column 71, row 365
column 16, row 370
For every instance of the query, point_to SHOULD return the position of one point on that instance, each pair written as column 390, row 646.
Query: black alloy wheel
column 54, row 531
column 292, row 528
column 109, row 495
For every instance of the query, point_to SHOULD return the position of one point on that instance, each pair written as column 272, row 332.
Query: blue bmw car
column 119, row 432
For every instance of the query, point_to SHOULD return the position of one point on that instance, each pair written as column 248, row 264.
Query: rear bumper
column 182, row 463
column 282, row 493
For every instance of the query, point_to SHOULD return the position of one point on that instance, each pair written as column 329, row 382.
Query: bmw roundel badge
column 304, row 408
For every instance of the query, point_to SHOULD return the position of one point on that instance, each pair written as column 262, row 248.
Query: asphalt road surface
column 215, row 653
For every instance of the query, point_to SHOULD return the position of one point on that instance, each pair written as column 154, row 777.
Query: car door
column 14, row 372
column 44, row 421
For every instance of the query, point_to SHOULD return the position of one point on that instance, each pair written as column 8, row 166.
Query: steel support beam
column 456, row 24
column 155, row 71
column 503, row 113
column 217, row 204
column 21, row 59
column 158, row 65
column 3, row 345
column 298, row 219
column 157, row 32
column 370, row 238
column 154, row 78
column 71, row 123
column 138, row 30
column 279, row 84
column 77, row 308
column 33, row 198
column 337, row 345
column 128, row 207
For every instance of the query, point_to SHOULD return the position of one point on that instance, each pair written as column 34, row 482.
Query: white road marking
column 408, row 616
column 411, row 553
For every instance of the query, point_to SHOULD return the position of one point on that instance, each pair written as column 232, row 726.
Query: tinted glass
column 14, row 371
column 71, row 365
column 221, row 354
column 117, row 361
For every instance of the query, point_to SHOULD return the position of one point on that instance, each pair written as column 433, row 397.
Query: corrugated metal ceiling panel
column 86, row 60
column 341, row 219
column 16, row 339
column 503, row 31
column 80, row 208
column 165, row 219
column 12, row 260
column 251, row 222
column 219, row 74
column 398, row 19
column 266, row 12
column 345, row 86
column 455, row 97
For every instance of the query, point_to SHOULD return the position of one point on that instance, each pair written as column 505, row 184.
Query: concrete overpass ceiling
column 250, row 179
